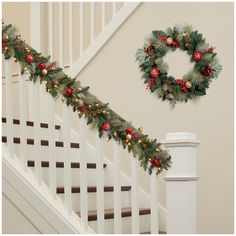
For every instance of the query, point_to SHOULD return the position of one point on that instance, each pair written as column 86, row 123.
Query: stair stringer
column 144, row 197
column 34, row 200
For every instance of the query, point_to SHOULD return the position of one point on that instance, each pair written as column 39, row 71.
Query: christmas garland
column 154, row 69
column 99, row 115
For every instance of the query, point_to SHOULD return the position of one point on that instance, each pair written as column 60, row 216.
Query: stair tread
column 160, row 232
column 29, row 123
column 109, row 213
column 31, row 141
column 93, row 189
column 59, row 164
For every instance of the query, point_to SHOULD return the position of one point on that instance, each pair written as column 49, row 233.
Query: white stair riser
column 108, row 204
column 126, row 225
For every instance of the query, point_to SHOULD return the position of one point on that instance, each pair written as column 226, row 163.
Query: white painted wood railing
column 181, row 179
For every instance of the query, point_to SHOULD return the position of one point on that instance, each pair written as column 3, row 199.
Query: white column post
column 181, row 181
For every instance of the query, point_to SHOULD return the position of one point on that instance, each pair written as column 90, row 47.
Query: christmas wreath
column 99, row 116
column 155, row 70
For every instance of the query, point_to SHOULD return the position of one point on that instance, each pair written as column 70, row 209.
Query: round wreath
column 192, row 84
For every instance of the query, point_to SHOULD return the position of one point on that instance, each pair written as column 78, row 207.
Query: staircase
column 66, row 179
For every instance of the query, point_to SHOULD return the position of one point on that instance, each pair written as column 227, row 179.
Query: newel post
column 181, row 181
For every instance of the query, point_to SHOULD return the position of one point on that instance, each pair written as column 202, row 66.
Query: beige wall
column 114, row 77
column 14, row 221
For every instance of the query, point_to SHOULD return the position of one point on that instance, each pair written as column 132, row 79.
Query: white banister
column 50, row 29
column 22, row 116
column 37, row 129
column 61, row 35
column 83, row 173
column 100, row 186
column 103, row 15
column 52, row 149
column 117, row 189
column 92, row 22
column 81, row 29
column 9, row 106
column 70, row 33
column 67, row 162
column 181, row 182
column 134, row 195
column 154, row 203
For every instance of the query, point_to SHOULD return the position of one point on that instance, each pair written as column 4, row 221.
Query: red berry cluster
column 84, row 109
column 182, row 84
column 150, row 48
column 106, row 126
column 155, row 73
column 151, row 83
column 208, row 70
column 130, row 131
column 155, row 162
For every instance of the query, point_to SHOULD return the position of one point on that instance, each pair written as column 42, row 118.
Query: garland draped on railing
column 98, row 114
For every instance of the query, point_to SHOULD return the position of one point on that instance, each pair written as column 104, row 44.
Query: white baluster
column 113, row 9
column 134, row 195
column 61, row 35
column 103, row 15
column 37, row 130
column 92, row 21
column 100, row 186
column 83, row 173
column 50, row 29
column 22, row 116
column 67, row 160
column 154, row 203
column 52, row 149
column 117, row 189
column 81, row 29
column 9, row 106
column 70, row 33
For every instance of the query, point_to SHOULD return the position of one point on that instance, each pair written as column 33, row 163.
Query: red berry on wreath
column 69, row 91
column 106, row 126
column 207, row 70
column 151, row 83
column 150, row 48
column 197, row 56
column 29, row 58
column 129, row 131
column 175, row 43
column 155, row 162
column 155, row 73
column 4, row 44
column 41, row 66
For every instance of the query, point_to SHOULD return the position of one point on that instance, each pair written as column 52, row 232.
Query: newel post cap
column 181, row 139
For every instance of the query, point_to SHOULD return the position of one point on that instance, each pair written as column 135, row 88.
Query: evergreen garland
column 154, row 69
column 99, row 115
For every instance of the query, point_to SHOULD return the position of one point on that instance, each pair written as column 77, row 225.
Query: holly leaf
column 140, row 56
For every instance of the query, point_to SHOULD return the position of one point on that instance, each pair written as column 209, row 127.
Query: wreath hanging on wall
column 155, row 70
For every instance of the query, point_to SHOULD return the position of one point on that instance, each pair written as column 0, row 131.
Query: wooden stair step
column 109, row 213
column 93, row 189
column 42, row 142
column 30, row 163
column 160, row 232
column 29, row 123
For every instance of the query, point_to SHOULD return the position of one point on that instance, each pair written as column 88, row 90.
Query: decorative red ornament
column 207, row 71
column 155, row 73
column 163, row 39
column 134, row 135
column 84, row 109
column 184, row 89
column 29, row 58
column 129, row 131
column 150, row 48
column 4, row 44
column 211, row 49
column 175, row 43
column 155, row 162
column 106, row 126
column 151, row 83
column 197, row 56
column 182, row 84
column 69, row 91
column 41, row 66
